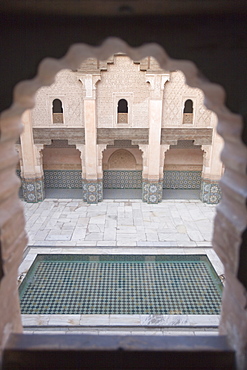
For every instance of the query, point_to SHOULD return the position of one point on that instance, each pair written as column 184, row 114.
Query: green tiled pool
column 121, row 284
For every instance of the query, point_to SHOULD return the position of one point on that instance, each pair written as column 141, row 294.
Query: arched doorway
column 62, row 170
column 122, row 173
column 183, row 171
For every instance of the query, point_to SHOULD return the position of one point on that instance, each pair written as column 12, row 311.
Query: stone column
column 31, row 169
column 81, row 148
column 153, row 183
column 212, row 168
column 164, row 149
column 100, row 149
column 144, row 149
column 92, row 186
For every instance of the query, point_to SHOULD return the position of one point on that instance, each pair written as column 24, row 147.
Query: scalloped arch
column 230, row 221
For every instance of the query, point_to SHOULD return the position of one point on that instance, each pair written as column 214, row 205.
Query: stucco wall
column 184, row 160
column 122, row 159
column 123, row 79
column 120, row 77
column 176, row 92
column 61, row 159
column 69, row 90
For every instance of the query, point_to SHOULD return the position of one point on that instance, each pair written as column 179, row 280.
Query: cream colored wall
column 120, row 78
column 212, row 165
column 31, row 166
column 61, row 159
column 183, row 160
column 70, row 91
column 123, row 79
column 141, row 84
column 176, row 92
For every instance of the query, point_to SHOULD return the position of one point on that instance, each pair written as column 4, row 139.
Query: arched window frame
column 57, row 118
column 128, row 96
column 122, row 111
column 188, row 118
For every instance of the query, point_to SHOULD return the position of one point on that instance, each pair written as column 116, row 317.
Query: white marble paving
column 149, row 321
column 65, row 226
column 61, row 220
column 120, row 331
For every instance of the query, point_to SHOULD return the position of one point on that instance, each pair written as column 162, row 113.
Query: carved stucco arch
column 124, row 158
column 231, row 210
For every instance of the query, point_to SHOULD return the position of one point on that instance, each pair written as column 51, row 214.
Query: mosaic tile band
column 182, row 180
column 33, row 190
column 126, row 286
column 92, row 191
column 122, row 179
column 210, row 192
column 63, row 179
column 151, row 192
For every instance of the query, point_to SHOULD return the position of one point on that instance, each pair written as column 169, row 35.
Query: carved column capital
column 100, row 150
column 89, row 82
column 143, row 148
column 39, row 147
column 81, row 148
column 157, row 83
column 164, row 149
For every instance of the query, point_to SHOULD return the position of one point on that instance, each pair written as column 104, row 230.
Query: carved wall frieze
column 46, row 135
column 201, row 136
column 109, row 135
column 176, row 92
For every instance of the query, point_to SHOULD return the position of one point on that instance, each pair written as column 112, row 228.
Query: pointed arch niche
column 230, row 221
column 122, row 172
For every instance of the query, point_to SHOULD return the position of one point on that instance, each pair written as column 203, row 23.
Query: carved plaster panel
column 123, row 77
column 68, row 89
column 45, row 135
column 89, row 82
column 122, row 159
column 157, row 83
column 109, row 135
column 176, row 92
column 200, row 136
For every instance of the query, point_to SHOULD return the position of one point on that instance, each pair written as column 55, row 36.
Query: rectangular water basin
column 121, row 284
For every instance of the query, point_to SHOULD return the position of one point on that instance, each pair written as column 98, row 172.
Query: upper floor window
column 57, row 111
column 122, row 111
column 188, row 111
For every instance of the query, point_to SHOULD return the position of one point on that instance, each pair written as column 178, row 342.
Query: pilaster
column 92, row 185
column 31, row 165
column 212, row 168
column 152, row 184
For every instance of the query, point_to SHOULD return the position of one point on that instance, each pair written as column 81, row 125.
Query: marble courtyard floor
column 70, row 226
